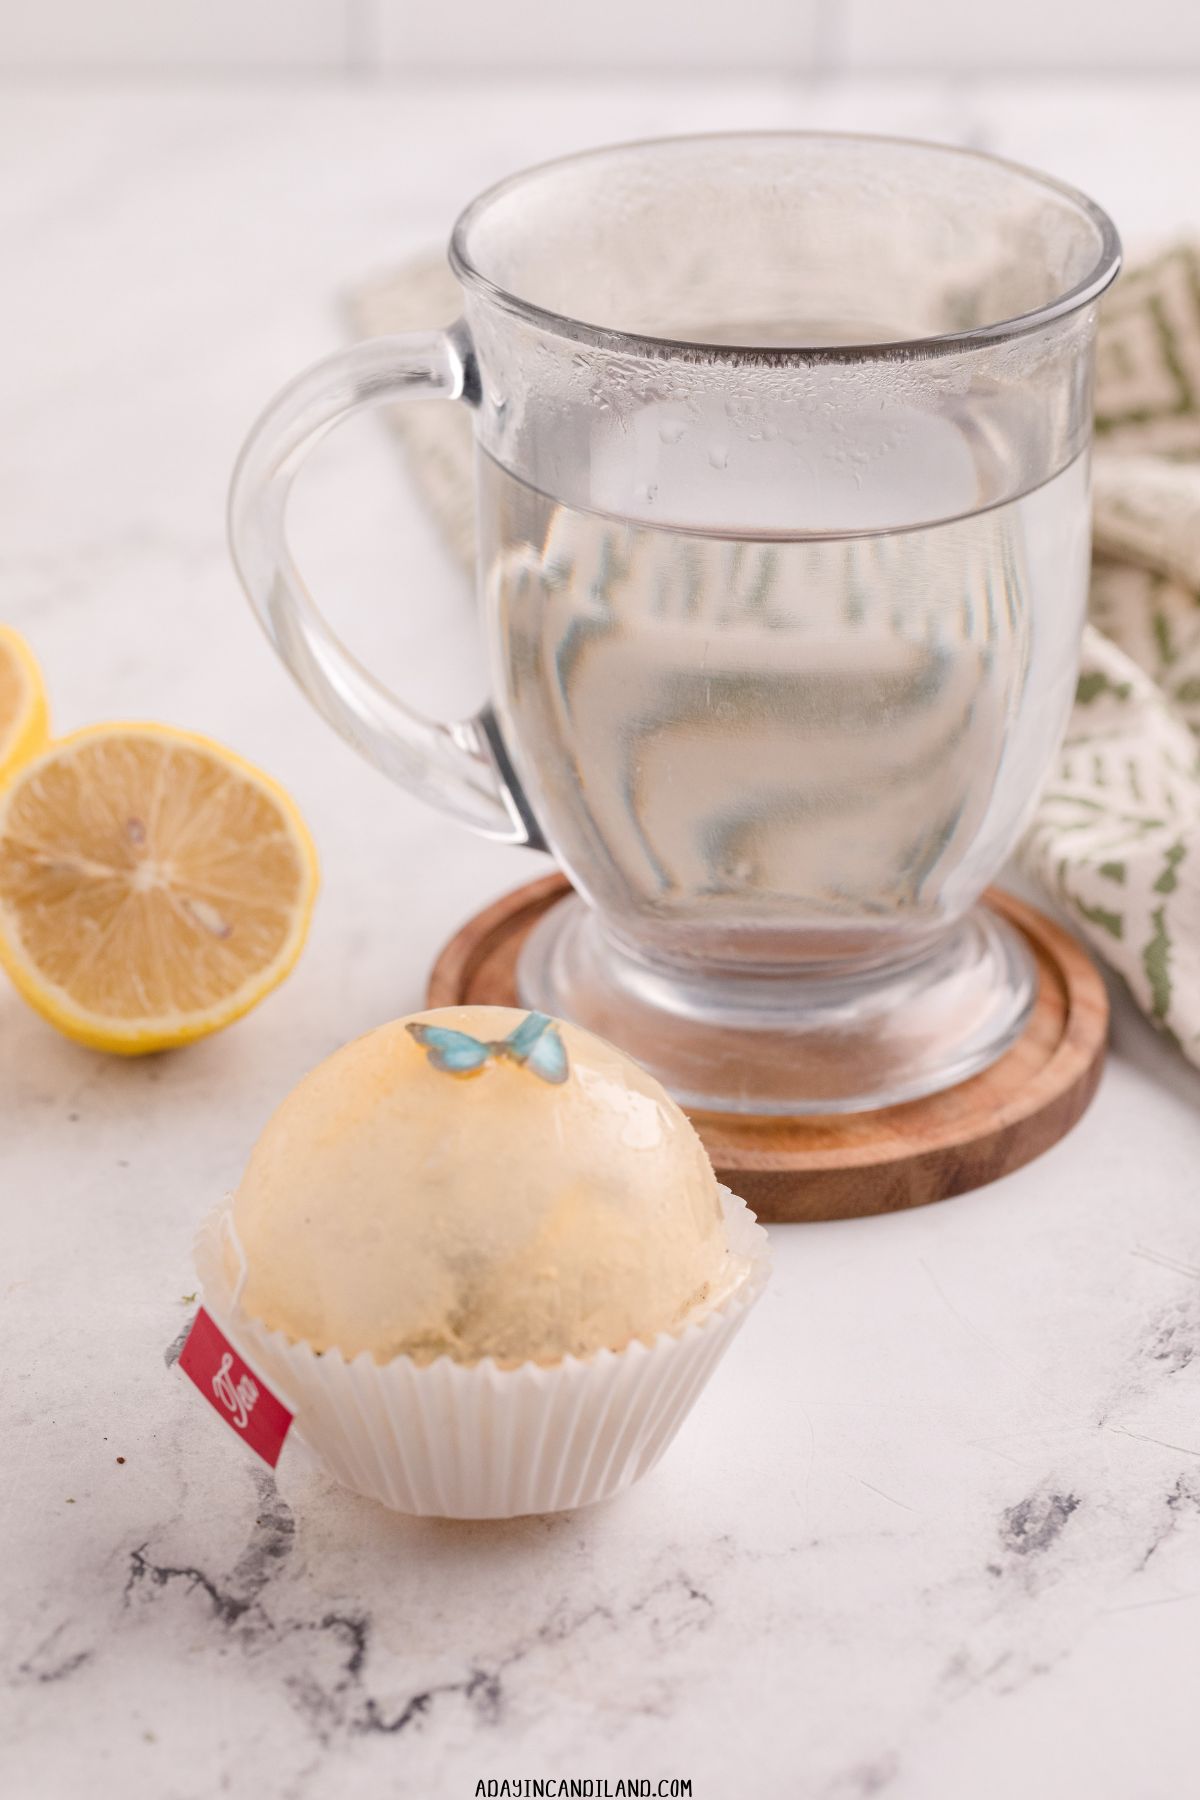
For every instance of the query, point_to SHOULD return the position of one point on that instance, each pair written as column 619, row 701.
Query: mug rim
column 1089, row 288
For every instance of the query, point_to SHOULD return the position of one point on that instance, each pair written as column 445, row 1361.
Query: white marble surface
column 934, row 1531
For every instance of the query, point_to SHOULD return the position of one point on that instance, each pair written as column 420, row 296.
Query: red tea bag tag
column 231, row 1387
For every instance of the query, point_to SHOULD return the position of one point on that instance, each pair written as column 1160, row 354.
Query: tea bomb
column 479, row 1182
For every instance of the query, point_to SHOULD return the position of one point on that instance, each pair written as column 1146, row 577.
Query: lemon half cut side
column 153, row 886
column 24, row 714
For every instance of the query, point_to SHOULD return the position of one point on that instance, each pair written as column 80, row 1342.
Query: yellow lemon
column 153, row 886
column 24, row 715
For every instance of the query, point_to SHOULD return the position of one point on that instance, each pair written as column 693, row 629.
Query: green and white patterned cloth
column 1116, row 838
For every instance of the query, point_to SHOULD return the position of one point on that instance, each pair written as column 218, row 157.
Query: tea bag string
column 230, row 1232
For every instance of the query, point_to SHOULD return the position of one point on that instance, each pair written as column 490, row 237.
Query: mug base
column 786, row 1044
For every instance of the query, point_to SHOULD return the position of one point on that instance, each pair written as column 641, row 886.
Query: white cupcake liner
column 481, row 1442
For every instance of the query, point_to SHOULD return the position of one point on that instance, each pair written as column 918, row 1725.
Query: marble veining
column 934, row 1529
column 335, row 1690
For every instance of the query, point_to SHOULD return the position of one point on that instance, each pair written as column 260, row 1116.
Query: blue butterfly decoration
column 536, row 1044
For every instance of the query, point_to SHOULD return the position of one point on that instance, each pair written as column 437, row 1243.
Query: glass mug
column 783, row 517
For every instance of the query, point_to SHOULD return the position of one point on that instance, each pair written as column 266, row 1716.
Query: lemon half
column 153, row 886
column 24, row 714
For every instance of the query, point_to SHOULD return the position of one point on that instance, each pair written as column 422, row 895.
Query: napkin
column 1115, row 839
column 1116, row 836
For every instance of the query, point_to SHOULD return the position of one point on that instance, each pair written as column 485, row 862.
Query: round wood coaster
column 851, row 1164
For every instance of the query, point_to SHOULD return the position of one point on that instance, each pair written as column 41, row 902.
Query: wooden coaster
column 848, row 1165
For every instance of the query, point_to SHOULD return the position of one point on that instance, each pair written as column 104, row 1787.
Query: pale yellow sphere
column 543, row 1202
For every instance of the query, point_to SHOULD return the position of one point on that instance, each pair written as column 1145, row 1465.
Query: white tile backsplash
column 585, row 37
column 175, row 34
column 590, row 36
column 1015, row 37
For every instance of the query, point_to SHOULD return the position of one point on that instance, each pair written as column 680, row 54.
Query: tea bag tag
column 234, row 1390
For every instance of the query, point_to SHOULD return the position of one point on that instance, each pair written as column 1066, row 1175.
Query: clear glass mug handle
column 460, row 766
